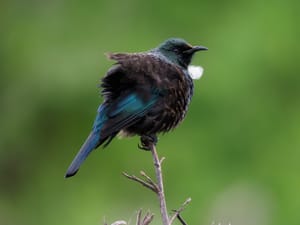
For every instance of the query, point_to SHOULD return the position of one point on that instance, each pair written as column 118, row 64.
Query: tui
column 144, row 94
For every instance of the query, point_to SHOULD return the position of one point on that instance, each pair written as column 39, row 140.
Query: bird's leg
column 147, row 141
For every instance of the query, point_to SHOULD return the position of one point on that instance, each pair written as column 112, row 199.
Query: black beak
column 199, row 48
column 195, row 49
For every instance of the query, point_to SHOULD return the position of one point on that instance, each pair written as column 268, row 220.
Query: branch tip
column 178, row 211
column 161, row 160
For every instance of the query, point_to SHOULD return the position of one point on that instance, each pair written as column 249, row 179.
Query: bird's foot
column 147, row 141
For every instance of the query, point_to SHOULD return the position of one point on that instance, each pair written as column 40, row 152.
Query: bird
column 144, row 94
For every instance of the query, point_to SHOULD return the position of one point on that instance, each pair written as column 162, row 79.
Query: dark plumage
column 144, row 94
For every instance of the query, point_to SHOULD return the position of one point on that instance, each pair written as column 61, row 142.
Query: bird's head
column 179, row 51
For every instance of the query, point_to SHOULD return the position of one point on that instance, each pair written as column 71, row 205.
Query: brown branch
column 138, row 217
column 161, row 194
column 178, row 211
column 146, row 220
column 150, row 181
column 158, row 188
column 142, row 182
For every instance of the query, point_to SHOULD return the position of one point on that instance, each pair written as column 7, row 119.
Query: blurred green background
column 237, row 153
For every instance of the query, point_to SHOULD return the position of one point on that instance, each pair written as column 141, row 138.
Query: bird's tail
column 90, row 144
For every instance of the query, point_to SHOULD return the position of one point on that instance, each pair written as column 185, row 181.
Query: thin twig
column 178, row 211
column 161, row 160
column 119, row 222
column 161, row 194
column 138, row 217
column 181, row 220
column 144, row 183
column 149, row 180
column 146, row 220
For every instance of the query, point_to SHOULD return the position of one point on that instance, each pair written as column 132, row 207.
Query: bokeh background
column 237, row 153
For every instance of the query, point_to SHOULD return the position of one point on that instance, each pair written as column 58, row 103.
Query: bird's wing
column 111, row 118
column 122, row 113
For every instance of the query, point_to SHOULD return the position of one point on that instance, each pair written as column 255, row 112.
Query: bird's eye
column 176, row 50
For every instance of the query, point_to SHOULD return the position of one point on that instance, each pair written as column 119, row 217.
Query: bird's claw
column 140, row 146
column 147, row 141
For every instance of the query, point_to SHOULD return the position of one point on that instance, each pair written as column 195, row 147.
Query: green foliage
column 240, row 138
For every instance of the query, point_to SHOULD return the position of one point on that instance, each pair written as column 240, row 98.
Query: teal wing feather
column 110, row 119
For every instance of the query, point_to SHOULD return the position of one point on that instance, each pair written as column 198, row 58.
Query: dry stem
column 158, row 188
column 178, row 211
column 161, row 194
